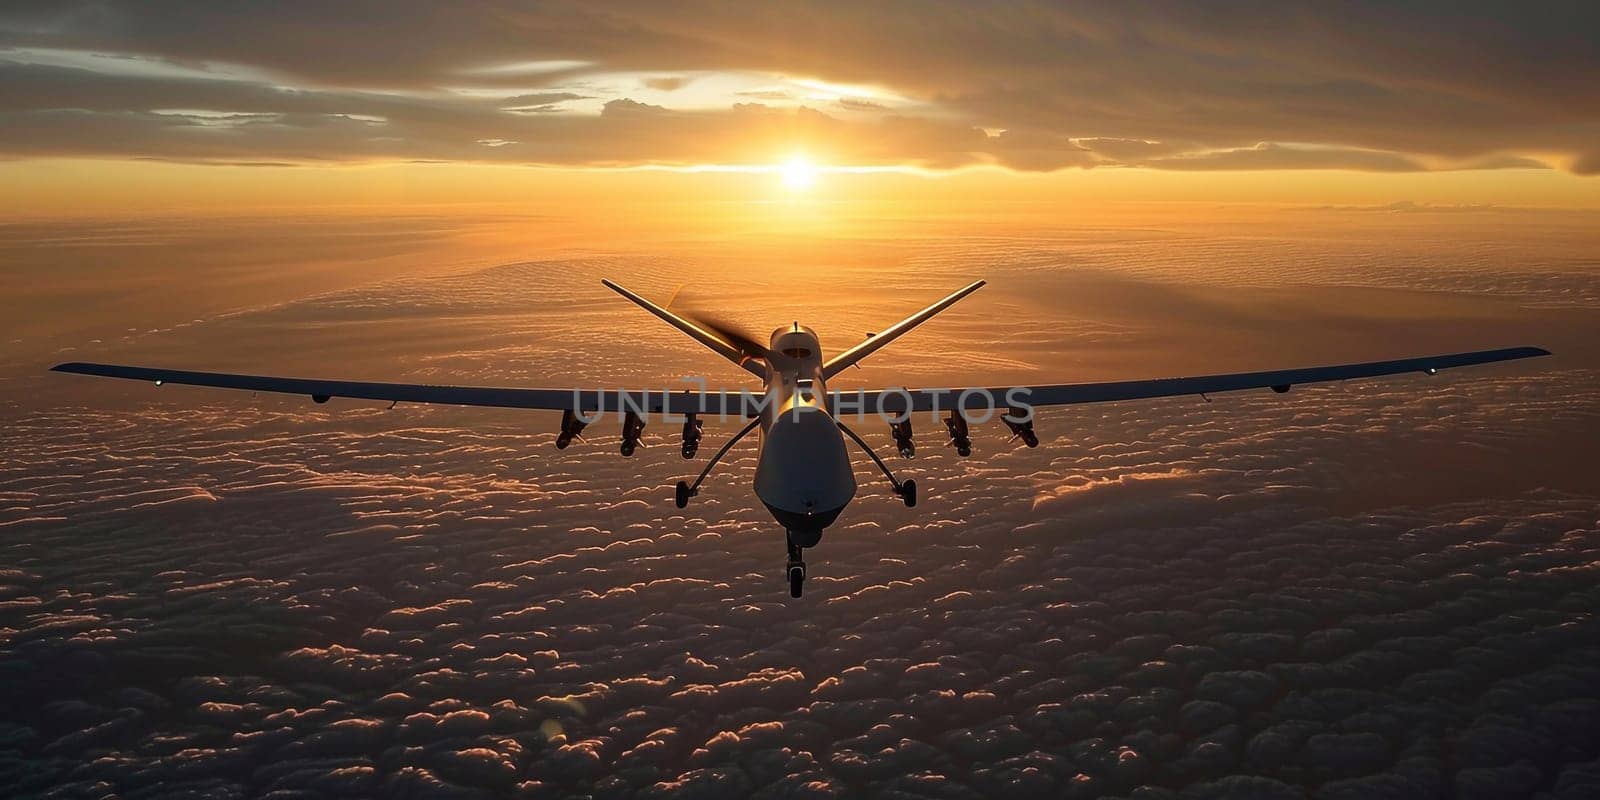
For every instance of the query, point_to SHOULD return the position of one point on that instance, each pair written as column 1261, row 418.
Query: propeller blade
column 731, row 333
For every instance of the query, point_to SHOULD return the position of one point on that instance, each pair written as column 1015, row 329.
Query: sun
column 798, row 173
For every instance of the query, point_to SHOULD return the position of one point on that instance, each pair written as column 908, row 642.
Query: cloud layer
column 1377, row 589
column 1028, row 86
column 355, row 603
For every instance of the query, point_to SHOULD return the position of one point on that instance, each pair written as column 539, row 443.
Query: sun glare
column 798, row 173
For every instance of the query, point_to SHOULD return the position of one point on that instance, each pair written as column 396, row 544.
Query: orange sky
column 111, row 107
column 88, row 187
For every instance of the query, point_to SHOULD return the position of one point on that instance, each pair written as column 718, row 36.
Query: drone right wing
column 896, row 401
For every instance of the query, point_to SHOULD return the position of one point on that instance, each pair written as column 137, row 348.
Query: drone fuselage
column 803, row 474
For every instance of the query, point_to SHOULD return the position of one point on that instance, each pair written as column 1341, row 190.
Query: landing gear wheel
column 682, row 498
column 908, row 493
column 796, row 567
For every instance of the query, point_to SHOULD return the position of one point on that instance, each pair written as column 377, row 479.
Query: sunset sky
column 1369, row 588
column 103, row 104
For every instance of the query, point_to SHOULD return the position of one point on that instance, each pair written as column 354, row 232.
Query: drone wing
column 587, row 401
column 843, row 360
column 716, row 343
column 894, row 401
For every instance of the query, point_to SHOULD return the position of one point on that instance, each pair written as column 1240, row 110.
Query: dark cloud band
column 1372, row 87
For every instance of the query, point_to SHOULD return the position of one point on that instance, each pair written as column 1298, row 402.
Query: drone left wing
column 583, row 400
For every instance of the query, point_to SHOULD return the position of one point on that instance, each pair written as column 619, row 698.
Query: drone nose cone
column 804, row 476
column 806, row 529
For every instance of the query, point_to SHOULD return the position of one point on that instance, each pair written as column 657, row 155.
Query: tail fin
column 895, row 331
column 716, row 343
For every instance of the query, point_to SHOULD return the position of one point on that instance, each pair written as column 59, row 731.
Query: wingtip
column 67, row 366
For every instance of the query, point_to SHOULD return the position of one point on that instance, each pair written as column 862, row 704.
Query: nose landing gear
column 796, row 568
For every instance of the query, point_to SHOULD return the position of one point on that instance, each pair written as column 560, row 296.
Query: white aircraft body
column 803, row 475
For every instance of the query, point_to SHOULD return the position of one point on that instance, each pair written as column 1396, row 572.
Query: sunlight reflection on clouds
column 1379, row 584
